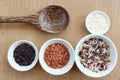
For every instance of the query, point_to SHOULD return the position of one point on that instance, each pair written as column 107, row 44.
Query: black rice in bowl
column 24, row 54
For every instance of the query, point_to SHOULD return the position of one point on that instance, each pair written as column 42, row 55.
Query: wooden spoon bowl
column 52, row 19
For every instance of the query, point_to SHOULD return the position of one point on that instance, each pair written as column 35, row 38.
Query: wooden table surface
column 78, row 10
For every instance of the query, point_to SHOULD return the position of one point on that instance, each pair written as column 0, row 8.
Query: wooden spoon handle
column 13, row 19
column 33, row 19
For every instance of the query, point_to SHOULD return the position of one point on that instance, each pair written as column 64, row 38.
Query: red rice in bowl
column 56, row 55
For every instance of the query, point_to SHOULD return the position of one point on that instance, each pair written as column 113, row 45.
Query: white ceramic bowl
column 97, row 30
column 62, row 70
column 113, row 57
column 11, row 58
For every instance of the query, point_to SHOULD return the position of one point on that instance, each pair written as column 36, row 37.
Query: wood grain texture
column 78, row 10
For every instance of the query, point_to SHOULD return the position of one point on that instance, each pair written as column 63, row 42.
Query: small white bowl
column 11, row 59
column 113, row 57
column 62, row 70
column 98, row 15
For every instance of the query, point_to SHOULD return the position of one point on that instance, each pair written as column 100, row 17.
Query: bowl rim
column 62, row 70
column 78, row 64
column 11, row 60
column 106, row 17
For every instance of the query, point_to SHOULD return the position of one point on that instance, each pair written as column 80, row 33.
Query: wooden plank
column 78, row 10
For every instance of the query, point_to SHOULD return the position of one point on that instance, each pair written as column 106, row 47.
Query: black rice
column 24, row 54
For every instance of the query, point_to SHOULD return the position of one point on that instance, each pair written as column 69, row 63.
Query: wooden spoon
column 52, row 19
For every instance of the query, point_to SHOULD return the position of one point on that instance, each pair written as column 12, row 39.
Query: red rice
column 56, row 55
